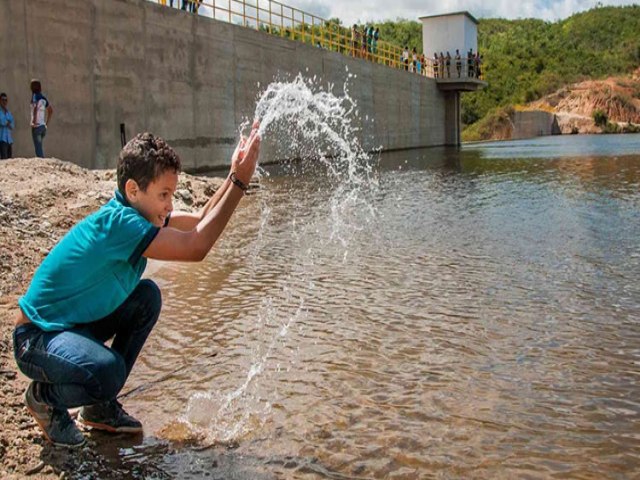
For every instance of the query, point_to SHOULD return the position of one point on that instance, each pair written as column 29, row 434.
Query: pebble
column 185, row 195
column 35, row 469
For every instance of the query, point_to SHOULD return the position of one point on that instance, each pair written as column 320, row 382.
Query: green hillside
column 527, row 59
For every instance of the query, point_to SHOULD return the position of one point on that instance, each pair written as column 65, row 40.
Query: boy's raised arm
column 187, row 221
column 193, row 245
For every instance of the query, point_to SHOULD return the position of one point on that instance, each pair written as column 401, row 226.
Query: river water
column 480, row 320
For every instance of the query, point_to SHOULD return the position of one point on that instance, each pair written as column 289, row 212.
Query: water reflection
column 483, row 325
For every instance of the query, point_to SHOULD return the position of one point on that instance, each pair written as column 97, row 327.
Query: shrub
column 611, row 127
column 631, row 128
column 600, row 118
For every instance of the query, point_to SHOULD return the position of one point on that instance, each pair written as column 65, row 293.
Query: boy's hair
column 143, row 159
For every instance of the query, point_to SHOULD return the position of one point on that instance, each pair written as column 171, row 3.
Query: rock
column 35, row 469
column 185, row 196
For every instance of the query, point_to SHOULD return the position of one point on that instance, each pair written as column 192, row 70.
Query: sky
column 353, row 11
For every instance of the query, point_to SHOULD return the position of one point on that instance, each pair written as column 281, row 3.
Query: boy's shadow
column 108, row 456
column 135, row 457
column 102, row 457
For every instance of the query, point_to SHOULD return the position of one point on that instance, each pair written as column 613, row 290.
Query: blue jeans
column 38, row 134
column 74, row 366
column 5, row 150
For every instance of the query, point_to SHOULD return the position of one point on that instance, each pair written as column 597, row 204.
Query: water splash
column 303, row 120
column 298, row 119
column 242, row 410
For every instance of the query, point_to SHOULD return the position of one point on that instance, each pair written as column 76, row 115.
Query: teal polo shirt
column 92, row 270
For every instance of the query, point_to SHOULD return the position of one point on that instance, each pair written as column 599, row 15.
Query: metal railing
column 279, row 19
column 282, row 20
column 464, row 69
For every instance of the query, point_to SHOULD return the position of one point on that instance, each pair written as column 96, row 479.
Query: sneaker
column 57, row 425
column 109, row 416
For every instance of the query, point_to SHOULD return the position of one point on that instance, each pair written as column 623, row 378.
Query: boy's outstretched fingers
column 239, row 152
column 253, row 149
column 254, row 132
column 254, row 140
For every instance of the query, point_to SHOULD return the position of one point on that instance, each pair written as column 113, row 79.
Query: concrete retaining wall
column 534, row 123
column 187, row 78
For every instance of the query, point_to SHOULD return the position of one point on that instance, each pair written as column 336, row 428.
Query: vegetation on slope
column 527, row 59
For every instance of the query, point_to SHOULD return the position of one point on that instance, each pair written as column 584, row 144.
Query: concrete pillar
column 452, row 118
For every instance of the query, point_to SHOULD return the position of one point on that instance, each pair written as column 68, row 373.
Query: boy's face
column 157, row 202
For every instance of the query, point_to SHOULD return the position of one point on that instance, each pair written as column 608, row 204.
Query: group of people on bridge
column 469, row 66
column 364, row 43
column 440, row 65
column 188, row 5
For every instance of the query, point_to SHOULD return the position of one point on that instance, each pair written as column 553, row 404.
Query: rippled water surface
column 480, row 320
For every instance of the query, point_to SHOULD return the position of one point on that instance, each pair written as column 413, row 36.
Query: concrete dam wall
column 187, row 78
column 534, row 123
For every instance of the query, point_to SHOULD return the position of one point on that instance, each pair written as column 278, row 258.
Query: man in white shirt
column 41, row 112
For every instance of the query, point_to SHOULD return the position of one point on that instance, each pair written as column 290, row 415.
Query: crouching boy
column 89, row 289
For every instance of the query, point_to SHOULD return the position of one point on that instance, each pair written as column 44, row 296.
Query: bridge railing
column 466, row 68
column 289, row 22
column 276, row 18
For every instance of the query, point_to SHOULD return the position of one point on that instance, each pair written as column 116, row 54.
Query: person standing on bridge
column 414, row 59
column 363, row 43
column 376, row 37
column 355, row 36
column 478, row 63
column 41, row 112
column 458, row 62
column 369, row 31
column 188, row 5
column 470, row 63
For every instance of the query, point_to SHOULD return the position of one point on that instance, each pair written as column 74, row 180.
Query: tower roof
column 463, row 12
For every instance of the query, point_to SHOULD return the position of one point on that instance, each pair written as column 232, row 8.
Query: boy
column 88, row 288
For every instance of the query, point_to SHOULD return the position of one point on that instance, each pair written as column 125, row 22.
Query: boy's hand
column 245, row 156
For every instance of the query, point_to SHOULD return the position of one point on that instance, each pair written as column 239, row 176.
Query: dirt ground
column 574, row 105
column 40, row 199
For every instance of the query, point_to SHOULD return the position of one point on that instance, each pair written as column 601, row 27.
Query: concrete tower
column 447, row 33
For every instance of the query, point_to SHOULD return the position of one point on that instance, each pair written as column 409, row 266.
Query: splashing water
column 298, row 119
column 309, row 122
